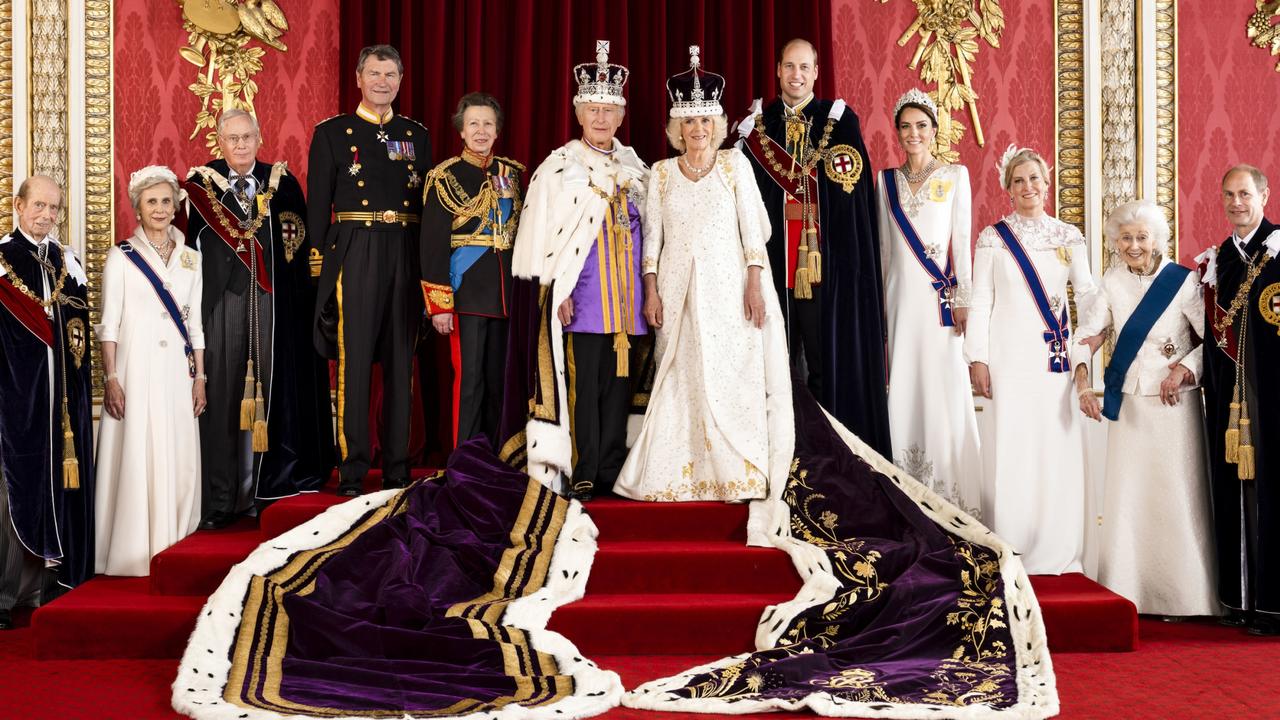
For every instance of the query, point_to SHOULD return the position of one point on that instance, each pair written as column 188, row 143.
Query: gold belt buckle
column 388, row 216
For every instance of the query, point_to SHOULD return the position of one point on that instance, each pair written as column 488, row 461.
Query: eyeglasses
column 234, row 140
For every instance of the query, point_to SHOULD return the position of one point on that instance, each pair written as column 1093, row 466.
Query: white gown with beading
column 1033, row 492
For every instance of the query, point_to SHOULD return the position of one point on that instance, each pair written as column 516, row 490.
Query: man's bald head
column 38, row 202
column 36, row 181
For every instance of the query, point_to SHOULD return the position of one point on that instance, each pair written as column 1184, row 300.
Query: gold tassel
column 70, row 465
column 1246, row 469
column 260, row 420
column 622, row 349
column 1233, row 427
column 246, row 402
column 803, row 291
column 815, row 267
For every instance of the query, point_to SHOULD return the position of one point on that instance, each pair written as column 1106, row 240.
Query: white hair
column 1138, row 212
column 150, row 176
column 719, row 131
column 234, row 113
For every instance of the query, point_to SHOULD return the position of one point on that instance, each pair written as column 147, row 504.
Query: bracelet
column 1080, row 395
column 202, row 376
column 110, row 377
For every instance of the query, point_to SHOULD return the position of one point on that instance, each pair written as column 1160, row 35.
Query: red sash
column 27, row 311
column 792, row 220
column 200, row 201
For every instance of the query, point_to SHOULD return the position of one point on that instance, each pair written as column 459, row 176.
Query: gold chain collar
column 806, row 164
column 1242, row 297
column 54, row 296
column 250, row 232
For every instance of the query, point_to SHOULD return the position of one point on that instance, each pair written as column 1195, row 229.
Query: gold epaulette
column 509, row 161
column 415, row 122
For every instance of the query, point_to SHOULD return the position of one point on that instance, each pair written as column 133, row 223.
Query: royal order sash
column 166, row 299
column 26, row 311
column 1057, row 329
column 792, row 220
column 943, row 280
column 203, row 205
column 1135, row 330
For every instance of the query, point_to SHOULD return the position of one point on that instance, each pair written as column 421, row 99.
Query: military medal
column 354, row 168
column 1168, row 349
column 414, row 179
column 382, row 134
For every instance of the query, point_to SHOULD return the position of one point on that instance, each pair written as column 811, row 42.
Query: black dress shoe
column 1263, row 626
column 6, row 620
column 583, row 495
column 350, row 489
column 1234, row 618
column 217, row 520
column 395, row 483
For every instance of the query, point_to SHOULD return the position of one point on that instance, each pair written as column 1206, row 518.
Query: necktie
column 242, row 184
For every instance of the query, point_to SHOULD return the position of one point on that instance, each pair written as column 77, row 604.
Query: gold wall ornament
column 219, row 37
column 949, row 32
column 1261, row 29
column 99, row 210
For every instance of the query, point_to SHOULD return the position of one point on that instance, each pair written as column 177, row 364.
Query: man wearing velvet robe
column 46, row 422
column 812, row 168
column 1242, row 403
column 247, row 219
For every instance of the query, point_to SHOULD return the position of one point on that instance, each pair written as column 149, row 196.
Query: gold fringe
column 70, row 465
column 815, row 267
column 246, row 402
column 803, row 291
column 622, row 349
column 1233, row 427
column 1233, row 445
column 1246, row 469
column 260, row 420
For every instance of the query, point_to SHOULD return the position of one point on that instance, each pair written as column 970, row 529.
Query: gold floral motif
column 754, row 257
column 1262, row 31
column 949, row 33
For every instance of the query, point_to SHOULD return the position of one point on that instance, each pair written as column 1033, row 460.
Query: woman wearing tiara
column 721, row 352
column 925, row 212
column 1018, row 348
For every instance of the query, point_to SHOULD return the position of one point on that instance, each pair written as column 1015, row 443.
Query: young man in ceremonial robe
column 267, row 432
column 469, row 219
column 1242, row 403
column 46, row 419
column 812, row 168
column 580, row 240
column 364, row 190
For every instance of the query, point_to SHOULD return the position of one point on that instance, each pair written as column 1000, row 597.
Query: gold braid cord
column 464, row 208
column 809, row 258
column 949, row 32
column 219, row 33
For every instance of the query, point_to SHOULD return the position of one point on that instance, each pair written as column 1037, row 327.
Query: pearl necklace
column 697, row 171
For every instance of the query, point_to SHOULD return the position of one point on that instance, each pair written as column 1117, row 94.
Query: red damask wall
column 1014, row 82
column 1228, row 91
column 155, row 113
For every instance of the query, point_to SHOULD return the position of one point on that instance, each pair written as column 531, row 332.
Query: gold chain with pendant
column 234, row 229
column 806, row 164
column 54, row 296
column 1242, row 297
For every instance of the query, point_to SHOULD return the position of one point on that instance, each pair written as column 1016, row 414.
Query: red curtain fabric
column 523, row 52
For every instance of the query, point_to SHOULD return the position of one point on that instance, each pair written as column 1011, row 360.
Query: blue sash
column 944, row 281
column 1057, row 329
column 1153, row 304
column 166, row 299
column 461, row 260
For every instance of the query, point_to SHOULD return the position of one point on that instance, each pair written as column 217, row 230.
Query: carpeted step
column 1082, row 616
column 111, row 617
column 621, row 519
column 196, row 564
column 288, row 513
column 673, row 623
column 682, row 566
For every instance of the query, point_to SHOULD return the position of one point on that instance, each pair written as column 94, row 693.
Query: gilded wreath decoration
column 1261, row 28
column 218, row 43
column 949, row 31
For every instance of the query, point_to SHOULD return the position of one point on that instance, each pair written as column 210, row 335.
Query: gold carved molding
column 949, row 32
column 1166, row 90
column 99, row 211
column 48, row 91
column 1262, row 30
column 1121, row 156
column 1069, row 111
column 6, row 109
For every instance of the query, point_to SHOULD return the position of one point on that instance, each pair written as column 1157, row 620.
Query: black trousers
column 227, row 461
column 804, row 337
column 480, row 354
column 599, row 402
column 24, row 580
column 379, row 309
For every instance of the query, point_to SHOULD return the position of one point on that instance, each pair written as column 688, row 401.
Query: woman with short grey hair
column 1156, row 537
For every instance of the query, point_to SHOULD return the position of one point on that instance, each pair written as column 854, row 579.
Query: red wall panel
column 1227, row 93
column 1014, row 82
column 154, row 111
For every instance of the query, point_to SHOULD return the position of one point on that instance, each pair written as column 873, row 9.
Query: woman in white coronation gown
column 720, row 348
column 927, row 287
column 1018, row 345
column 1157, row 535
column 148, row 463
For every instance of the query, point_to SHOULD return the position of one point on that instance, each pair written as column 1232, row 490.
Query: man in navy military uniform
column 367, row 168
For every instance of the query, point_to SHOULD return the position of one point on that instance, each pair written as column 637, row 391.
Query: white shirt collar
column 253, row 180
column 795, row 109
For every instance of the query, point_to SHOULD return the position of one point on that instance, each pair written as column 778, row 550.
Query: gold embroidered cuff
column 438, row 298
column 648, row 265
column 754, row 257
column 316, row 260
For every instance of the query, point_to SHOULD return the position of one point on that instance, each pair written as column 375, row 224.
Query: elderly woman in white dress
column 1018, row 345
column 722, row 386
column 925, row 225
column 1157, row 537
column 148, row 466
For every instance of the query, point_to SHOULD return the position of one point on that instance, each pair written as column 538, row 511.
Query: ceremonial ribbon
column 943, row 280
column 1135, row 330
column 26, row 311
column 166, row 299
column 1057, row 329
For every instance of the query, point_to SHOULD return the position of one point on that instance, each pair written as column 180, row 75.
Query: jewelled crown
column 916, row 96
column 602, row 81
column 695, row 92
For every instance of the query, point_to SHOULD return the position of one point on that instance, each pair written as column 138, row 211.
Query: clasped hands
column 752, row 300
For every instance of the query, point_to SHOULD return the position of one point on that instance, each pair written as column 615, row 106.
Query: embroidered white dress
column 931, row 413
column 148, row 463
column 706, row 434
column 1156, row 539
column 1033, row 491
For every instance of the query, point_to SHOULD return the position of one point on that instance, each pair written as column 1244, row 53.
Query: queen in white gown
column 148, row 463
column 722, row 373
column 1156, row 546
column 927, row 288
column 1033, row 490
